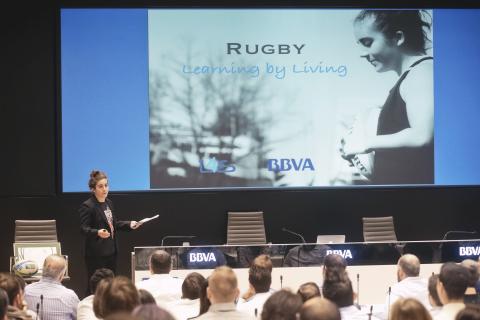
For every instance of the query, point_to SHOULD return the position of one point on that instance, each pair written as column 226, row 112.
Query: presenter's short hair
column 160, row 262
column 96, row 176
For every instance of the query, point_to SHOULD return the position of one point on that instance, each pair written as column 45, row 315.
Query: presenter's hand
column 103, row 233
column 134, row 224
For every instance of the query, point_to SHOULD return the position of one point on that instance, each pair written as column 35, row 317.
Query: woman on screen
column 99, row 225
column 396, row 40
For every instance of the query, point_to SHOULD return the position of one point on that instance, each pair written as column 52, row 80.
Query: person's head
column 452, row 282
column 470, row 312
column 54, row 267
column 204, row 302
column 99, row 275
column 319, row 308
column 222, row 285
column 472, row 267
column 406, row 309
column 192, row 285
column 151, row 312
column 387, row 35
column 339, row 291
column 3, row 304
column 432, row 291
column 334, row 262
column 115, row 295
column 263, row 261
column 260, row 278
column 282, row 305
column 145, row 297
column 308, row 291
column 9, row 283
column 98, row 184
column 408, row 266
column 160, row 262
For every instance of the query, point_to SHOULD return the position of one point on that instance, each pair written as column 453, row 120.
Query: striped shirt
column 59, row 303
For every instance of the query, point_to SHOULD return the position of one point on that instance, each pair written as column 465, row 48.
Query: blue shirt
column 59, row 303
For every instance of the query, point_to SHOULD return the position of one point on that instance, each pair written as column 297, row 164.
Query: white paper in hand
column 147, row 219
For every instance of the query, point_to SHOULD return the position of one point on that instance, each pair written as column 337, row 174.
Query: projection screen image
column 277, row 98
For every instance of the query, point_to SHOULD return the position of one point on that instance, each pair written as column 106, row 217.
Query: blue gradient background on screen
column 105, row 109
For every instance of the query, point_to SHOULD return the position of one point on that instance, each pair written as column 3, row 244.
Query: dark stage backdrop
column 29, row 186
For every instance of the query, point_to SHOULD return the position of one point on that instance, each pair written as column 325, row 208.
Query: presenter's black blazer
column 92, row 219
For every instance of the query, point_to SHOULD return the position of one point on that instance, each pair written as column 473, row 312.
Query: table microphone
column 41, row 306
column 281, row 282
column 371, row 312
column 454, row 231
column 389, row 294
column 358, row 289
column 38, row 310
column 294, row 233
column 176, row 237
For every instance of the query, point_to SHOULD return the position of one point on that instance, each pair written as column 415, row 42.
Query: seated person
column 189, row 305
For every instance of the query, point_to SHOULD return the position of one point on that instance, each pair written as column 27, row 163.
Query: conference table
column 371, row 265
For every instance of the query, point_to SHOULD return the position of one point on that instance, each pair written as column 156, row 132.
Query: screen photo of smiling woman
column 99, row 226
column 402, row 147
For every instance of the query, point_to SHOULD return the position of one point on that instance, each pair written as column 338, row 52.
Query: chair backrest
column 35, row 231
column 378, row 229
column 331, row 238
column 246, row 228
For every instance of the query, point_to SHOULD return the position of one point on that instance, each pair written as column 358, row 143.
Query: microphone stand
column 176, row 237
column 300, row 247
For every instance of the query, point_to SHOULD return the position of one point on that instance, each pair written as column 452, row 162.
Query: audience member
column 151, row 311
column 282, row 305
column 433, row 296
column 308, row 291
column 188, row 306
column 337, row 288
column 204, row 302
column 163, row 287
column 3, row 304
column 471, row 294
column 471, row 312
column 116, row 295
column 12, row 287
column 261, row 261
column 146, row 297
column 85, row 307
column 55, row 301
column 409, row 284
column 260, row 279
column 453, row 281
column 334, row 262
column 409, row 309
column 319, row 308
column 222, row 292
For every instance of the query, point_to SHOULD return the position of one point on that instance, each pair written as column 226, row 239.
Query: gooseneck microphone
column 294, row 233
column 370, row 313
column 41, row 306
column 358, row 290
column 176, row 237
column 38, row 310
column 281, row 282
column 389, row 294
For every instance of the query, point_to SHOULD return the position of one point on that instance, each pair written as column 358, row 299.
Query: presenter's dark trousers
column 93, row 263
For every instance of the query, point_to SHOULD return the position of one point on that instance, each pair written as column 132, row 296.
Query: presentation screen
column 165, row 99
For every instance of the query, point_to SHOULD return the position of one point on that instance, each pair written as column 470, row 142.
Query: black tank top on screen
column 401, row 165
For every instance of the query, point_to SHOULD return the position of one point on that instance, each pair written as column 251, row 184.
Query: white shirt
column 255, row 302
column 353, row 313
column 410, row 287
column 449, row 311
column 163, row 287
column 85, row 309
column 184, row 308
column 222, row 311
